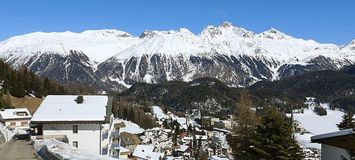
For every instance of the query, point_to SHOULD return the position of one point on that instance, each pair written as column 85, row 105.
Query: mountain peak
column 226, row 24
column 149, row 33
column 273, row 33
column 352, row 42
column 107, row 33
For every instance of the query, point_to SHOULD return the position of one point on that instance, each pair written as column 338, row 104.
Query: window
column 12, row 123
column 24, row 123
column 75, row 128
column 75, row 144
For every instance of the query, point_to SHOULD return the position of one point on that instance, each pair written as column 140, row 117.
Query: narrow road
column 17, row 150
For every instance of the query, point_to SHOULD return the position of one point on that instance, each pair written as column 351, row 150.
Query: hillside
column 210, row 95
column 31, row 103
column 19, row 87
column 336, row 87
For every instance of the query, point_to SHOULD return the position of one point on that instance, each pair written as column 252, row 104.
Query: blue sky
column 327, row 21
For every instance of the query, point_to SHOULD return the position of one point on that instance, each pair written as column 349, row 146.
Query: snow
column 98, row 45
column 227, row 39
column 146, row 152
column 316, row 124
column 11, row 114
column 130, row 127
column 181, row 121
column 8, row 134
column 182, row 148
column 64, row 108
column 66, row 151
column 158, row 112
column 217, row 158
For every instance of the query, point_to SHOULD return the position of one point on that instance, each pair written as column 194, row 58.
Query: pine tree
column 244, row 132
column 273, row 139
column 348, row 121
column 47, row 87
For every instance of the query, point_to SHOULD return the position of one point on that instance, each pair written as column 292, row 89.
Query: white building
column 82, row 124
column 16, row 118
column 335, row 144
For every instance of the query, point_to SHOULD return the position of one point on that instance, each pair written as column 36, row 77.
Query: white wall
column 88, row 135
column 333, row 153
column 18, row 123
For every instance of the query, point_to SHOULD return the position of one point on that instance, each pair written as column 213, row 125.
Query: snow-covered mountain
column 116, row 59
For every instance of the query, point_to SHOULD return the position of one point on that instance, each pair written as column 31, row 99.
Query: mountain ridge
column 115, row 59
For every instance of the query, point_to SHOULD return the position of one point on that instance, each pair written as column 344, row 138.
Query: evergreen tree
column 244, row 132
column 47, row 87
column 273, row 139
column 348, row 121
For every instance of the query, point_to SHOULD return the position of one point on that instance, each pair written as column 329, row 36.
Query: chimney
column 79, row 99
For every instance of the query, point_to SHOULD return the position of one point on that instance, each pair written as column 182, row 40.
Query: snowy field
column 316, row 124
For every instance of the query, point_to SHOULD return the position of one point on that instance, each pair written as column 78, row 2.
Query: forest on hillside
column 22, row 82
column 335, row 87
column 210, row 95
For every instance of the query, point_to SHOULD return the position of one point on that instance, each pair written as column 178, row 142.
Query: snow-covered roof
column 332, row 135
column 181, row 121
column 146, row 152
column 64, row 108
column 129, row 127
column 18, row 113
column 182, row 148
column 66, row 151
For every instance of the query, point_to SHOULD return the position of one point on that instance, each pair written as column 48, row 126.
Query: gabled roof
column 8, row 114
column 332, row 135
column 342, row 139
column 64, row 108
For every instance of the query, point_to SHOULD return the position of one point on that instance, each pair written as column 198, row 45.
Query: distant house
column 129, row 141
column 78, row 119
column 224, row 124
column 208, row 121
column 16, row 118
column 335, row 144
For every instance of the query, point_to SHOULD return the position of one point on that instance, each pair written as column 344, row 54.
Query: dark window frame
column 76, row 144
column 75, row 128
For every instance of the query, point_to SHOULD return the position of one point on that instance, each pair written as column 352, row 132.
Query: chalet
column 335, row 145
column 16, row 118
column 79, row 120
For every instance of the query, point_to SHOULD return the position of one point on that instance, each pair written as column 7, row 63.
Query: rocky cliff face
column 115, row 60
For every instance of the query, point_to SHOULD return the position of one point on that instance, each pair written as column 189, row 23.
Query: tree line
column 22, row 82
